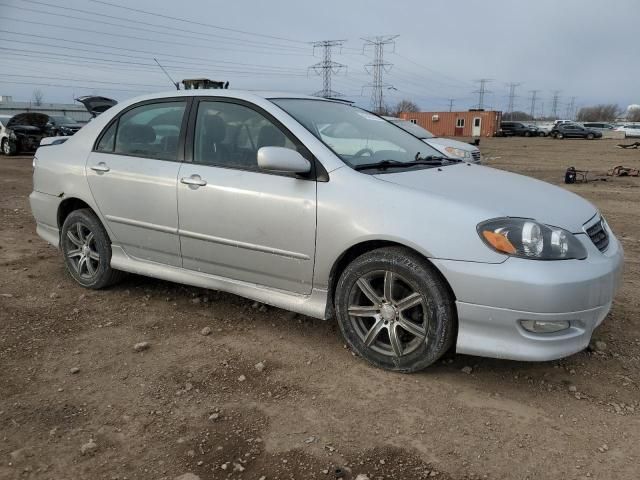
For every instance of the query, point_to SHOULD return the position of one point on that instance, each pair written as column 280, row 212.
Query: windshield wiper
column 431, row 160
column 382, row 165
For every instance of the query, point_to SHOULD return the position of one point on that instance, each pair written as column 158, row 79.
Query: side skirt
column 313, row 305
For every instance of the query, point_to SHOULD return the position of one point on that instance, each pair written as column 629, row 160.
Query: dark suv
column 571, row 130
column 517, row 129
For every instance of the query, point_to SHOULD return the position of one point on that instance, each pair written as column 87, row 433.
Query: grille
column 476, row 155
column 599, row 236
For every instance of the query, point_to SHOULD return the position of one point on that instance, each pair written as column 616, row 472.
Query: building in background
column 74, row 110
column 474, row 123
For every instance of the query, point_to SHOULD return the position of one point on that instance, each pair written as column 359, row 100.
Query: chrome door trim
column 248, row 246
column 138, row 223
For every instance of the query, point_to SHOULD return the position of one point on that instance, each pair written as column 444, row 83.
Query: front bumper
column 492, row 299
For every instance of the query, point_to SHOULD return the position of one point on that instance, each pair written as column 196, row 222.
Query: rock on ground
column 141, row 346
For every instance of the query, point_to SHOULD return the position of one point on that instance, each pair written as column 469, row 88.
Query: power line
column 512, row 95
column 532, row 110
column 554, row 104
column 482, row 91
column 377, row 68
column 327, row 66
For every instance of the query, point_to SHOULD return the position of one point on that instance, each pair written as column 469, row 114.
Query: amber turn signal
column 499, row 242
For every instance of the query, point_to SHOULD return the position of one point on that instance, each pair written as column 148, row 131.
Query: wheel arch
column 71, row 204
column 361, row 248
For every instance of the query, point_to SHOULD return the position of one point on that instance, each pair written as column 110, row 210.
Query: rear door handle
column 101, row 167
column 193, row 180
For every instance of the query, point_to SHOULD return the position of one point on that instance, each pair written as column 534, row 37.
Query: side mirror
column 282, row 160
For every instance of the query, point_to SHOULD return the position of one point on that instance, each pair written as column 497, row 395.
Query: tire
column 590, row 136
column 560, row 135
column 8, row 147
column 422, row 323
column 527, row 134
column 86, row 250
column 542, row 134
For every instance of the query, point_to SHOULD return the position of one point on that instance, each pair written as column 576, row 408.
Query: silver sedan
column 325, row 209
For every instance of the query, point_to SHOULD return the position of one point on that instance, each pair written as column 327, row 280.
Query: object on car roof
column 621, row 171
column 203, row 83
column 96, row 105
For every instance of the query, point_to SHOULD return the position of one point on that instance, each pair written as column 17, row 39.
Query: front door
column 132, row 175
column 237, row 221
column 477, row 127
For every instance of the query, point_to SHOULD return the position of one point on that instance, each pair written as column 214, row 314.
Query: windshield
column 355, row 135
column 413, row 128
column 61, row 119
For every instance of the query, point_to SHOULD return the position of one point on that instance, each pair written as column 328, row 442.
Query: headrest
column 135, row 133
column 215, row 128
column 270, row 136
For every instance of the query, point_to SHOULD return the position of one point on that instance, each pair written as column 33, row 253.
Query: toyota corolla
column 413, row 254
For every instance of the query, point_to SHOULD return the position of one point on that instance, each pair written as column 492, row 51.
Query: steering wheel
column 362, row 151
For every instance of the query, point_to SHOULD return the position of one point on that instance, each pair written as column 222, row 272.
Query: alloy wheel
column 81, row 250
column 388, row 314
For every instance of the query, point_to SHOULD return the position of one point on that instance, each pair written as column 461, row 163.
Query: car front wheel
column 395, row 310
column 590, row 136
column 8, row 147
column 86, row 249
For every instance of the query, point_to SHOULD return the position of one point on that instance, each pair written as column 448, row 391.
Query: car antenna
column 175, row 84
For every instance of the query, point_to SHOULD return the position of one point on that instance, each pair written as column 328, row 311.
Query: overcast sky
column 586, row 49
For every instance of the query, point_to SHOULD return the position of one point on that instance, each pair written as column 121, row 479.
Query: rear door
column 132, row 173
column 237, row 221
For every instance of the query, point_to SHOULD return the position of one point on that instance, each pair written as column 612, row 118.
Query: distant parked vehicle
column 572, row 130
column 631, row 130
column 543, row 130
column 4, row 132
column 446, row 146
column 61, row 125
column 517, row 129
column 599, row 126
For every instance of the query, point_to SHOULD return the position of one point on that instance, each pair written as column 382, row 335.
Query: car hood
column 447, row 142
column 96, row 105
column 496, row 193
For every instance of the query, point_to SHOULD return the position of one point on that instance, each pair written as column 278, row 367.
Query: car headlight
column 524, row 238
column 457, row 152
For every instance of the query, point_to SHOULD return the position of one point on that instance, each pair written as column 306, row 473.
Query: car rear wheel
column 527, row 134
column 86, row 249
column 560, row 135
column 590, row 136
column 395, row 310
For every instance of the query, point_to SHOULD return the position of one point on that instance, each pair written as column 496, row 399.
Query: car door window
column 230, row 135
column 150, row 130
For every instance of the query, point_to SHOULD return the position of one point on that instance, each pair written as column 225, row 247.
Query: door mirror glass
column 282, row 160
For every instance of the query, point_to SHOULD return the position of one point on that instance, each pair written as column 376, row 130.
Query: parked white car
column 449, row 148
column 4, row 134
column 630, row 130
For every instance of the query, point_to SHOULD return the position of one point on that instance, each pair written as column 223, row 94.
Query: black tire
column 542, row 134
column 411, row 278
column 590, row 136
column 8, row 147
column 527, row 134
column 84, row 239
column 560, row 135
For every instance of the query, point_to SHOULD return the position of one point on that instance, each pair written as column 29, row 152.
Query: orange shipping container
column 457, row 124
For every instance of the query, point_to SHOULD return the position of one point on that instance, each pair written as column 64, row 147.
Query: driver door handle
column 193, row 180
column 100, row 167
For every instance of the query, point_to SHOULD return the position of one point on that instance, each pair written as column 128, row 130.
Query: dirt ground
column 70, row 380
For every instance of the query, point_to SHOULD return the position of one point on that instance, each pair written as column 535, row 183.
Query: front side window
column 150, row 131
column 355, row 135
column 230, row 135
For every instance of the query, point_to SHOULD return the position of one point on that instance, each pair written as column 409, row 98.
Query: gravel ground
column 221, row 387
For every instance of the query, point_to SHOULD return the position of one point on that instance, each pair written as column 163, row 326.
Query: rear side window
column 150, row 131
